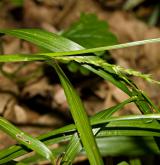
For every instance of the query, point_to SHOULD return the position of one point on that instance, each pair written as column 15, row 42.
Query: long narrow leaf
column 74, row 147
column 61, row 45
column 71, row 129
column 125, row 146
column 34, row 33
column 121, row 128
column 28, row 141
column 70, row 48
column 43, row 39
column 80, row 117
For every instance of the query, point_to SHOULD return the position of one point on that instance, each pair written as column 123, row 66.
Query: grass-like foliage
column 101, row 134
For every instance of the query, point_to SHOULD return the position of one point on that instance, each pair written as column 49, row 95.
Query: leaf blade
column 79, row 115
column 47, row 40
column 26, row 140
column 90, row 32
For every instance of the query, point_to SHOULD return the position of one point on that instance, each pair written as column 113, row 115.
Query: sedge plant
column 96, row 136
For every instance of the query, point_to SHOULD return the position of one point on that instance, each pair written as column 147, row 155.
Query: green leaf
column 117, row 81
column 90, row 32
column 124, row 146
column 132, row 126
column 40, row 37
column 80, row 117
column 63, row 46
column 25, row 139
column 129, row 146
column 105, row 114
column 44, row 39
column 74, row 147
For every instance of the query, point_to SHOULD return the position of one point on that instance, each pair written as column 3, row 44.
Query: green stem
column 103, row 48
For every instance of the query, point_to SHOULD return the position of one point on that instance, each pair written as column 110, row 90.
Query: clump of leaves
column 101, row 134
